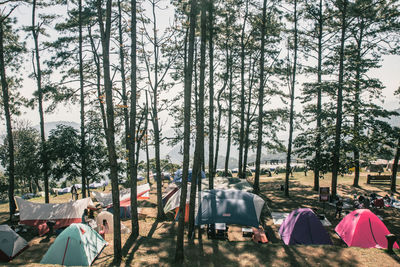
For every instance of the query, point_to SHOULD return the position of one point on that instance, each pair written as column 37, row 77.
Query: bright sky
column 388, row 74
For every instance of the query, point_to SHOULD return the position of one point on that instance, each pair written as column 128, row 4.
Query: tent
column 64, row 214
column 229, row 206
column 97, row 185
column 362, row 228
column 302, row 226
column 11, row 244
column 178, row 176
column 77, row 245
column 108, row 216
column 105, row 199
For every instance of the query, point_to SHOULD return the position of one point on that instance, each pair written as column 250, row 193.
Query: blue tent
column 178, row 176
column 230, row 207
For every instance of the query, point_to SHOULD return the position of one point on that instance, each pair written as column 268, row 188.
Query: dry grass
column 156, row 243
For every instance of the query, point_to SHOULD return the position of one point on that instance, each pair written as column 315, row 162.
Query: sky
column 389, row 74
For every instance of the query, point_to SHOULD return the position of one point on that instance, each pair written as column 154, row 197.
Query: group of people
column 88, row 218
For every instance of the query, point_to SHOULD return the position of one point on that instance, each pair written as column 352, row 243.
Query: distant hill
column 48, row 126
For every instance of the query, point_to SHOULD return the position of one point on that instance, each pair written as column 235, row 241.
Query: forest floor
column 156, row 243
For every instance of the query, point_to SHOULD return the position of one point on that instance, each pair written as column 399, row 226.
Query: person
column 366, row 202
column 339, row 208
column 74, row 193
column 85, row 216
column 105, row 226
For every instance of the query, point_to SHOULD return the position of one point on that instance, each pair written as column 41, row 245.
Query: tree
column 179, row 256
column 256, row 186
column 131, row 139
column 292, row 80
column 342, row 8
column 210, row 25
column 199, row 148
column 36, row 30
column 105, row 33
column 7, row 113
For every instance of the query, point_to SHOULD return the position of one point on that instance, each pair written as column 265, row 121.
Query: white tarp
column 105, row 199
column 49, row 211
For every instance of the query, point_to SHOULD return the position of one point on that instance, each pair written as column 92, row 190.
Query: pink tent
column 362, row 228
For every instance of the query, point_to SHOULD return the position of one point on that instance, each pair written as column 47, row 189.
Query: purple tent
column 302, row 226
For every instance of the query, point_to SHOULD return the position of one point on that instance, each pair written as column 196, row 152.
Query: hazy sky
column 389, row 74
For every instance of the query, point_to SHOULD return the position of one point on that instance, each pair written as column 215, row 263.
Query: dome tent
column 11, row 244
column 302, row 226
column 362, row 228
column 77, row 245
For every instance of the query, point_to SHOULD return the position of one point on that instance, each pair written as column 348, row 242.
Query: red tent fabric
column 362, row 228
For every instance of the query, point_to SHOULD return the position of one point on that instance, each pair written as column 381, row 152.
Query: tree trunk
column 242, row 94
column 291, row 117
column 7, row 113
column 110, row 136
column 319, row 103
column 82, row 102
column 228, row 146
column 147, row 141
column 356, row 128
column 199, row 148
column 336, row 149
column 38, row 72
column 256, row 185
column 211, row 172
column 218, row 128
column 179, row 255
column 394, row 168
column 132, row 127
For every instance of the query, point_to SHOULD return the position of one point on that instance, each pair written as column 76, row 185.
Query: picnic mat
column 279, row 217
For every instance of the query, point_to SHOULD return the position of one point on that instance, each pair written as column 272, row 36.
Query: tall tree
column 199, row 148
column 256, row 186
column 7, row 113
column 105, row 33
column 36, row 29
column 179, row 256
column 132, row 136
column 342, row 8
column 211, row 94
column 292, row 82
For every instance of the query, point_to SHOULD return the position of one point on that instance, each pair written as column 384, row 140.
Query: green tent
column 77, row 245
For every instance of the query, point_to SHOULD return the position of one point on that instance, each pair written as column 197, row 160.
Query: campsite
column 155, row 246
column 199, row 133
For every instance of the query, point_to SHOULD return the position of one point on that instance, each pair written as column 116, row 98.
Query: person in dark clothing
column 339, row 208
column 74, row 193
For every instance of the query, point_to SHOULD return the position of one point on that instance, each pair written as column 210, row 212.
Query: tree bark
column 218, row 129
column 395, row 167
column 38, row 72
column 211, row 172
column 199, row 148
column 7, row 113
column 356, row 126
column 242, row 93
column 256, row 185
column 132, row 127
column 229, row 137
column 291, row 117
column 82, row 102
column 319, row 102
column 105, row 33
column 338, row 130
column 179, row 255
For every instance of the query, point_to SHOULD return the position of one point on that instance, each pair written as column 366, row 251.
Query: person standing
column 74, row 193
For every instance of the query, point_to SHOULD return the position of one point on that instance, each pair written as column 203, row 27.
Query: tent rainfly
column 11, row 244
column 302, row 226
column 64, row 214
column 229, row 206
column 362, row 228
column 105, row 199
column 78, row 245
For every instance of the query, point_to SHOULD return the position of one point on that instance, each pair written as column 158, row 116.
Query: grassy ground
column 156, row 244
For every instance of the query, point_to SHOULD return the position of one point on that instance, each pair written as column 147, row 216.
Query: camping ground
column 156, row 244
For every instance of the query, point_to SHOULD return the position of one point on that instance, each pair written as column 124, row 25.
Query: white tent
column 105, row 199
column 108, row 216
column 11, row 244
column 64, row 214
